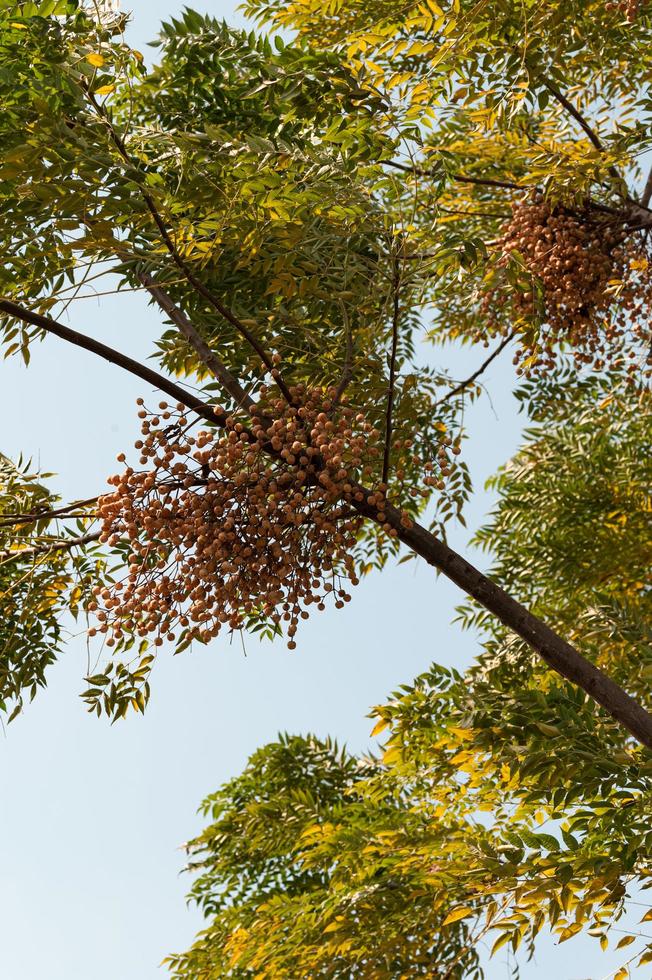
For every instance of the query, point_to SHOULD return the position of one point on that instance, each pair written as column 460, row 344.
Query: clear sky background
column 92, row 816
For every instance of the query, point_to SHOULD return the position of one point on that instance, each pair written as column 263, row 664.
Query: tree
column 501, row 804
column 290, row 250
column 298, row 213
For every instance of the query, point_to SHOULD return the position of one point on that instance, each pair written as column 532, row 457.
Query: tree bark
column 556, row 652
column 113, row 356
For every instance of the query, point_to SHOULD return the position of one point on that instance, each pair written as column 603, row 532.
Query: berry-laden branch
column 196, row 283
column 568, row 263
column 283, row 501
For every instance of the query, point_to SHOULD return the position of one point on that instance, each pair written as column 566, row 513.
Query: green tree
column 501, row 804
column 300, row 213
column 291, row 252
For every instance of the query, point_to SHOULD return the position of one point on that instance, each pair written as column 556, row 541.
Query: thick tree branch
column 114, row 357
column 647, row 190
column 476, row 374
column 556, row 652
column 196, row 283
column 208, row 357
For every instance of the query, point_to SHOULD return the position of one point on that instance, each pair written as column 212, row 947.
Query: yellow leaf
column 622, row 974
column 530, row 361
column 502, row 939
column 105, row 90
column 645, row 958
column 97, row 60
column 333, row 926
column 379, row 727
column 569, row 931
column 456, row 915
column 625, row 941
column 19, row 27
column 464, row 734
column 648, row 916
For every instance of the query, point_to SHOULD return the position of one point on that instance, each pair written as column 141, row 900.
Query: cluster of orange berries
column 590, row 287
column 245, row 523
column 628, row 8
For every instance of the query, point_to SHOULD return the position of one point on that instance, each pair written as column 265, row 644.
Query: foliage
column 502, row 804
column 272, row 195
column 302, row 212
column 37, row 585
column 509, row 100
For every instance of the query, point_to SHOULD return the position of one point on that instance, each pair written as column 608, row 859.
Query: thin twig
column 396, row 286
column 575, row 113
column 347, row 371
column 230, row 385
column 460, row 178
column 476, row 374
column 6, row 557
column 33, row 517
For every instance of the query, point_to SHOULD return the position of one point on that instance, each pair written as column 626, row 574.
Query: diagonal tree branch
column 73, row 509
column 586, row 127
column 647, row 190
column 575, row 113
column 114, row 357
column 557, row 653
column 64, row 544
column 230, row 385
column 459, row 178
column 196, row 283
column 476, row 374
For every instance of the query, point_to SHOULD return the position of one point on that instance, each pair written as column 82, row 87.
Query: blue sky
column 92, row 816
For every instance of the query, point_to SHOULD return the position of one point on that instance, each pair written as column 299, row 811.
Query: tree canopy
column 303, row 210
column 500, row 805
